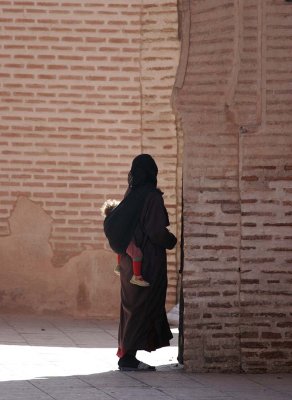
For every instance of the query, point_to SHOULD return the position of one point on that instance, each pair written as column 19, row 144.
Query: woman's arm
column 156, row 222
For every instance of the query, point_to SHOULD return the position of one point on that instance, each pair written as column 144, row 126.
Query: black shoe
column 130, row 363
column 140, row 367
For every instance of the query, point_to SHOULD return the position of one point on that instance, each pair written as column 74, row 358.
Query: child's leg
column 117, row 268
column 136, row 254
column 137, row 266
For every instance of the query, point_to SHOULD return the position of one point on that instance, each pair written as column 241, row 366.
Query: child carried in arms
column 132, row 250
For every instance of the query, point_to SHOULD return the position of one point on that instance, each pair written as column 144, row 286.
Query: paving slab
column 62, row 358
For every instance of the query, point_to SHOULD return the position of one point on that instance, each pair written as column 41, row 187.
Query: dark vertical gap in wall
column 180, row 357
column 184, row 26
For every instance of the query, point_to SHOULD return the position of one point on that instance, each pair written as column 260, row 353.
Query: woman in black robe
column 143, row 320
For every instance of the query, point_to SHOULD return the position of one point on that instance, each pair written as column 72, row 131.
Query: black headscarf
column 143, row 171
column 120, row 225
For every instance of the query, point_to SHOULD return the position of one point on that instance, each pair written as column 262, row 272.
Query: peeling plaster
column 86, row 285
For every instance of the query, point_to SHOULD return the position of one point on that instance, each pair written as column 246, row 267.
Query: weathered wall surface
column 266, row 187
column 233, row 94
column 159, row 60
column 85, row 87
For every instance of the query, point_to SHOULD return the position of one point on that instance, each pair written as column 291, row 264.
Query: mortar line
column 140, row 77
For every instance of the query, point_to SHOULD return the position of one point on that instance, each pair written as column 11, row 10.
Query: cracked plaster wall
column 29, row 282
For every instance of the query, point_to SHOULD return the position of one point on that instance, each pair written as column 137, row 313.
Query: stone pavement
column 45, row 358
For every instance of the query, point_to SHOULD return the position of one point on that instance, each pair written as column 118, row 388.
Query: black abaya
column 143, row 321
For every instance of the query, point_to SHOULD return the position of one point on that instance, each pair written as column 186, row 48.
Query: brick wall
column 159, row 61
column 266, row 193
column 233, row 95
column 85, row 88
